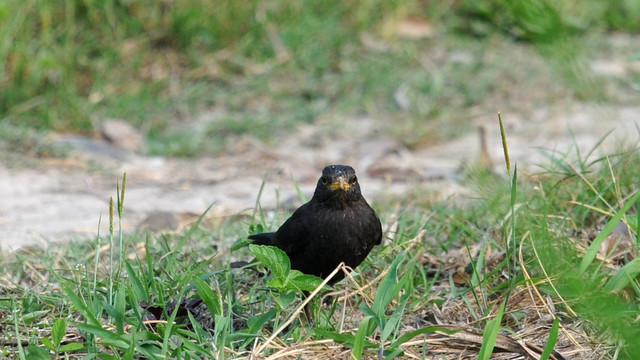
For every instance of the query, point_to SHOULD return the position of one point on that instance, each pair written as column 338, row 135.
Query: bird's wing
column 378, row 235
column 293, row 236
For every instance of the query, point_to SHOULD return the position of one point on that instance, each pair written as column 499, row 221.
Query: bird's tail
column 262, row 239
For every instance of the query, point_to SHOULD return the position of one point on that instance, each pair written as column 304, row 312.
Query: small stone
column 122, row 135
column 158, row 221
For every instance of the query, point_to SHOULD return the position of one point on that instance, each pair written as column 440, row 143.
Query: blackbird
column 336, row 225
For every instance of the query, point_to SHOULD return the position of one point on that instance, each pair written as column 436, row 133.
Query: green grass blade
column 477, row 266
column 120, row 217
column 392, row 323
column 96, row 260
column 298, row 190
column 388, row 289
column 360, row 341
column 551, row 341
column 345, row 339
column 107, row 337
column 426, row 330
column 136, row 284
column 637, row 224
column 168, row 330
column 222, row 326
column 79, row 303
column 514, row 186
column 196, row 348
column 119, row 309
column 512, row 230
column 189, row 233
column 70, row 347
column 258, row 208
column 624, row 276
column 491, row 334
column 209, row 297
column 592, row 251
column 257, row 323
column 16, row 326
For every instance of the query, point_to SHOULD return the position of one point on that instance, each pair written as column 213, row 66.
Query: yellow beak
column 340, row 184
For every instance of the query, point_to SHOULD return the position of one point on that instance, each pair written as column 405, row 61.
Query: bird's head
column 338, row 183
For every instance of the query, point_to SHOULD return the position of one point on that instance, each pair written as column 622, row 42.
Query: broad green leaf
column 58, row 331
column 71, row 347
column 278, row 283
column 34, row 352
column 286, row 297
column 274, row 259
column 46, row 342
column 300, row 281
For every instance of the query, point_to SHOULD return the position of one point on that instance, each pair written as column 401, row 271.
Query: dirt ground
column 53, row 199
column 62, row 199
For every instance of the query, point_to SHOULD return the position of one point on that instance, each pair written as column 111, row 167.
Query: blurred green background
column 267, row 66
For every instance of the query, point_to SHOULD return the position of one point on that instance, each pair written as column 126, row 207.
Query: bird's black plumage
column 336, row 225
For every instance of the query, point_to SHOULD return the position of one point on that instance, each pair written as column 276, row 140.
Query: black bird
column 336, row 225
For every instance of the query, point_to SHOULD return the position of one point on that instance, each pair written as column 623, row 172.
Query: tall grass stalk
column 16, row 314
column 111, row 250
column 96, row 261
column 120, row 217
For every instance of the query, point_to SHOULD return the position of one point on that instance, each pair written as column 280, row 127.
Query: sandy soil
column 62, row 199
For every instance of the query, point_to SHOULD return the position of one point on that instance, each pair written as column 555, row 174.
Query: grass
column 165, row 67
column 515, row 263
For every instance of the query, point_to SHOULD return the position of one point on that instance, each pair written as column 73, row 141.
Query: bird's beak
column 340, row 184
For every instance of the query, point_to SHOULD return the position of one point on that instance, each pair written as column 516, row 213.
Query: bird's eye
column 324, row 180
column 353, row 180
